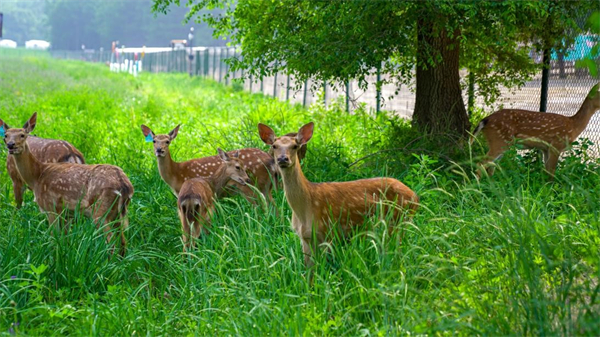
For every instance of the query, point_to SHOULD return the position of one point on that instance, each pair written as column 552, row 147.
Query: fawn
column 47, row 151
column 319, row 209
column 102, row 191
column 261, row 166
column 196, row 198
column 549, row 132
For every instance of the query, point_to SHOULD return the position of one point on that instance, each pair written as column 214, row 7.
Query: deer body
column 259, row 164
column 322, row 209
column 102, row 192
column 551, row 133
column 196, row 198
column 45, row 150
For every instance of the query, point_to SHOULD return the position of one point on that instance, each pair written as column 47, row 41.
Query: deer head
column 285, row 148
column 16, row 139
column 161, row 142
column 234, row 167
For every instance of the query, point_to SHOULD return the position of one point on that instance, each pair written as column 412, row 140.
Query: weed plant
column 512, row 255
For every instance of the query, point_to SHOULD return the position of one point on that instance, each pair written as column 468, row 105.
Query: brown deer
column 259, row 164
column 549, row 132
column 197, row 195
column 102, row 192
column 47, row 151
column 319, row 209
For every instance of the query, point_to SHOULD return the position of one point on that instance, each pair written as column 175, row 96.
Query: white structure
column 37, row 44
column 6, row 43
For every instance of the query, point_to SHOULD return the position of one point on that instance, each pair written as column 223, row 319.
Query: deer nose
column 10, row 145
column 283, row 159
column 248, row 181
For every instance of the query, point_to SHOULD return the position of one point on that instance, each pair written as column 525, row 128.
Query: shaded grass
column 510, row 256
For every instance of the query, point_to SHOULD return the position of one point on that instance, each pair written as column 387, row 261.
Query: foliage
column 98, row 23
column 351, row 39
column 510, row 256
column 24, row 20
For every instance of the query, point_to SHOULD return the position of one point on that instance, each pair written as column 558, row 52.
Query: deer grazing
column 196, row 198
column 102, row 192
column 259, row 164
column 551, row 133
column 319, row 209
column 47, row 151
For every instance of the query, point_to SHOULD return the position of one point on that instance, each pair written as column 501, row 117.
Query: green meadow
column 512, row 255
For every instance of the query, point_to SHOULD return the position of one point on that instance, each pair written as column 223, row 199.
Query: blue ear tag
column 149, row 138
column 2, row 131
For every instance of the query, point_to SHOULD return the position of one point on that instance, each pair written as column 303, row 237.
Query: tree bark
column 439, row 106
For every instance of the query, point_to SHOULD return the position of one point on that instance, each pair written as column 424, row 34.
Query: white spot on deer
column 243, row 156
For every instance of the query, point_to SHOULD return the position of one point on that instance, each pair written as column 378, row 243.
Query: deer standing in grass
column 259, row 164
column 47, row 151
column 197, row 196
column 102, row 192
column 551, row 133
column 320, row 209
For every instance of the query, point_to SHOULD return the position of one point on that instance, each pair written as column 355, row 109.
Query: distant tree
column 24, row 20
column 96, row 23
column 426, row 41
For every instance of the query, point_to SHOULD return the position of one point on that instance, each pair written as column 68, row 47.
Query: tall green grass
column 512, row 255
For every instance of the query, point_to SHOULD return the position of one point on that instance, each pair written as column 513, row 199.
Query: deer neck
column 583, row 116
column 168, row 169
column 297, row 189
column 218, row 180
column 28, row 166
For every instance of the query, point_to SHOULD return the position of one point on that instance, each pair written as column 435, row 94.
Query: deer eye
column 237, row 168
column 154, row 141
column 295, row 147
column 274, row 147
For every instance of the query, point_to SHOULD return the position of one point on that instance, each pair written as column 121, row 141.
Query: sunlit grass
column 512, row 255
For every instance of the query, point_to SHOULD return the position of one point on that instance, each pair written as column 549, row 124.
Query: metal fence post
column 545, row 78
column 214, row 66
column 377, row 87
column 197, row 63
column 226, row 66
column 325, row 93
column 275, row 81
column 251, row 80
column 305, row 93
column 348, row 96
column 287, row 90
column 221, row 66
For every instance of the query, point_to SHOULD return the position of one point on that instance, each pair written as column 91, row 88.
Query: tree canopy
column 424, row 40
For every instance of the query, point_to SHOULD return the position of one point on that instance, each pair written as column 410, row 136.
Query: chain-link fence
column 567, row 87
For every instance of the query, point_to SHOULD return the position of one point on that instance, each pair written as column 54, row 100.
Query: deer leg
column 19, row 190
column 493, row 155
column 551, row 163
column 185, row 228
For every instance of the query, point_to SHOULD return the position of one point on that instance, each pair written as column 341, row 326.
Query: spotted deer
column 319, row 209
column 259, row 164
column 196, row 198
column 102, row 192
column 549, row 132
column 47, row 151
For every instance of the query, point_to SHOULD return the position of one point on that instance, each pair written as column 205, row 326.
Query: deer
column 320, row 209
column 102, row 192
column 549, row 132
column 195, row 202
column 47, row 151
column 259, row 164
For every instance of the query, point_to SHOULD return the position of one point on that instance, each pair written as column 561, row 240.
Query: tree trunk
column 439, row 106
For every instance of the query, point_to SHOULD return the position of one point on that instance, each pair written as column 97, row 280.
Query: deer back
column 67, row 185
column 259, row 165
column 348, row 203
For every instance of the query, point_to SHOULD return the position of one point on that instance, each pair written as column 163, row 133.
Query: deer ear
column 224, row 157
column 30, row 124
column 266, row 134
column 147, row 133
column 305, row 133
column 236, row 154
column 174, row 132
